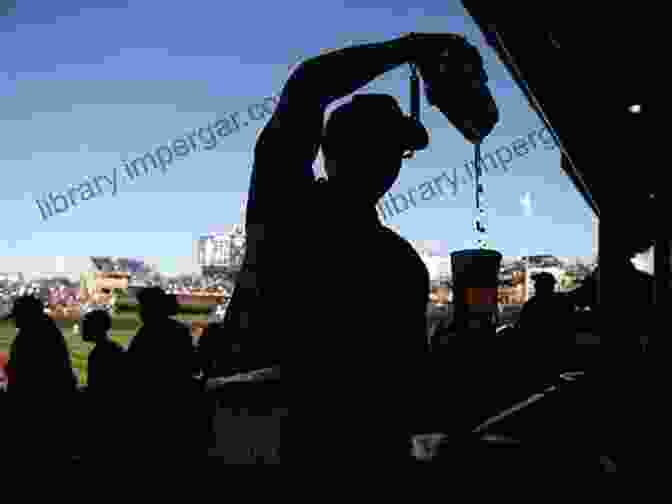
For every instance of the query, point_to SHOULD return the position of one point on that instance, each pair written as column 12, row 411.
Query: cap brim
column 415, row 135
column 475, row 115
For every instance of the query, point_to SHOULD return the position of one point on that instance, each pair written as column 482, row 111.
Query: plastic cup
column 475, row 280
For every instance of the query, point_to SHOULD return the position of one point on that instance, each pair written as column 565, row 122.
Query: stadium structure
column 109, row 273
column 7, row 278
column 222, row 254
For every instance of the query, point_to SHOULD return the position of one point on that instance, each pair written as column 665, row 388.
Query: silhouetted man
column 161, row 362
column 318, row 259
column 42, row 383
column 106, row 372
column 39, row 356
column 547, row 312
column 106, row 360
column 546, row 326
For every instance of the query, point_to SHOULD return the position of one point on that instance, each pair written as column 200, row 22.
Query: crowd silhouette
column 146, row 402
column 149, row 399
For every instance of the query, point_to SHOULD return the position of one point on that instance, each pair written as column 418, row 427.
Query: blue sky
column 85, row 88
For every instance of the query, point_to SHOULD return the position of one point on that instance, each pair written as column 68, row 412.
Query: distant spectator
column 163, row 347
column 161, row 361
column 39, row 356
column 546, row 324
column 41, row 383
column 106, row 362
column 106, row 370
column 547, row 311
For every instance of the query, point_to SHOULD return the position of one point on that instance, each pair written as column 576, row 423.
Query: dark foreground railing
column 242, row 414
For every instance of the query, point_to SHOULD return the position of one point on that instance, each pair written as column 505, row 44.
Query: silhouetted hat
column 172, row 304
column 374, row 113
column 99, row 318
column 153, row 299
column 543, row 277
column 27, row 306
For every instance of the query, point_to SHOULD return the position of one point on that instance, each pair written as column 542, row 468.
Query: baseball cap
column 375, row 113
column 26, row 305
column 156, row 300
column 543, row 277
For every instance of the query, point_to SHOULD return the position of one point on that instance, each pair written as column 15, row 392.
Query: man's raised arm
column 288, row 145
column 282, row 175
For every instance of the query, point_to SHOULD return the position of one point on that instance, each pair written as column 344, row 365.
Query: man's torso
column 105, row 364
column 348, row 303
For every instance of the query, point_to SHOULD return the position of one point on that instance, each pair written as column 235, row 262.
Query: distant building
column 222, row 253
column 542, row 261
column 109, row 273
column 513, row 286
column 8, row 278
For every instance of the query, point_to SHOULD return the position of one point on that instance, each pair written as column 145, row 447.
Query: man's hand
column 431, row 48
column 454, row 80
column 436, row 51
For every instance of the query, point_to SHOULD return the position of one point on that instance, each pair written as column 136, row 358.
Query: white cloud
column 526, row 202
column 433, row 246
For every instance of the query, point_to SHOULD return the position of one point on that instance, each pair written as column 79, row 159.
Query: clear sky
column 88, row 85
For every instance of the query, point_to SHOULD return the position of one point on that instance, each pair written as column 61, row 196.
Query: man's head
column 96, row 325
column 154, row 304
column 27, row 310
column 172, row 305
column 544, row 283
column 364, row 142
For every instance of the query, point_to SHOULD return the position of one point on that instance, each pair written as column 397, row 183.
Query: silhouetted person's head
column 172, row 305
column 28, row 310
column 544, row 284
column 96, row 325
column 154, row 304
column 364, row 142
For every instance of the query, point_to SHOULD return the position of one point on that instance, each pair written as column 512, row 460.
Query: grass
column 124, row 327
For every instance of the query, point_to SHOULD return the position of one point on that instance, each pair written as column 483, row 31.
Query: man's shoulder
column 529, row 303
column 402, row 245
column 177, row 324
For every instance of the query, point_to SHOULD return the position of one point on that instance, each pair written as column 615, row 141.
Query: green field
column 124, row 327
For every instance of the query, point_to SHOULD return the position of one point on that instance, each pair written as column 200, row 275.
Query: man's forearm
column 331, row 76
